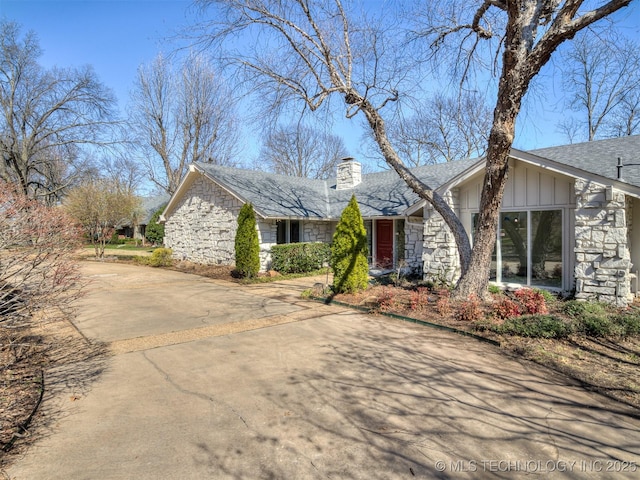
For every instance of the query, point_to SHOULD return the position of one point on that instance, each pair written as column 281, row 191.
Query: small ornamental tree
column 99, row 206
column 349, row 251
column 247, row 245
column 155, row 231
column 39, row 278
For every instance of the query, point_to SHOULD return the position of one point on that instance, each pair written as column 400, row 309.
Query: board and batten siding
column 532, row 188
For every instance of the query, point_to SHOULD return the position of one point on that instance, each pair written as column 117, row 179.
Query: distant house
column 567, row 218
column 150, row 205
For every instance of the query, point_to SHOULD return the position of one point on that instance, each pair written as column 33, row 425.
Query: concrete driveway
column 212, row 380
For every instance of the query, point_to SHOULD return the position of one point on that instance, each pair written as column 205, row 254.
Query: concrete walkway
column 213, row 380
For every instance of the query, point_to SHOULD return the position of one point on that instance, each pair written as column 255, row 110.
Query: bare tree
column 601, row 76
column 319, row 51
column 181, row 116
column 39, row 278
column 122, row 170
column 528, row 33
column 626, row 118
column 47, row 117
column 301, row 151
column 98, row 207
column 443, row 130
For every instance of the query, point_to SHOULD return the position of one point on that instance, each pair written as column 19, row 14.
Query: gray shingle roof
column 385, row 194
column 151, row 205
column 279, row 196
column 600, row 157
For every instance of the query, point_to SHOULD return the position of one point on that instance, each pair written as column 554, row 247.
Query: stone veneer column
column 441, row 261
column 602, row 259
column 414, row 239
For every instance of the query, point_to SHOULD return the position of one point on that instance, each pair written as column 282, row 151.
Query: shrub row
column 587, row 318
column 299, row 257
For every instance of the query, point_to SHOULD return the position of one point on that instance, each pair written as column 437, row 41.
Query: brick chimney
column 349, row 174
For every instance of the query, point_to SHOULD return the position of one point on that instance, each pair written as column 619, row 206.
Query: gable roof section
column 279, row 196
column 384, row 194
column 272, row 195
column 600, row 157
column 596, row 160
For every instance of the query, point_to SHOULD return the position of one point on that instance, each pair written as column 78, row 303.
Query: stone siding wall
column 268, row 234
column 317, row 231
column 203, row 225
column 413, row 245
column 441, row 262
column 602, row 260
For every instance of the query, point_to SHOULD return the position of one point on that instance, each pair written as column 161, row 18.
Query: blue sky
column 116, row 36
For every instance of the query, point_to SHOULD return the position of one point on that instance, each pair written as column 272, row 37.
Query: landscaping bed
column 596, row 344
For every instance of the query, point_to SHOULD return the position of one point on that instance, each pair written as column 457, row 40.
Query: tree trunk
column 424, row 191
column 514, row 81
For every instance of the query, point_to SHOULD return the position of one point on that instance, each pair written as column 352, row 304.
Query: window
column 281, row 236
column 294, row 231
column 528, row 248
column 400, row 241
column 288, row 231
column 368, row 225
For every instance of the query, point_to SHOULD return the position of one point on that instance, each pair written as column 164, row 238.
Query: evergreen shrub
column 247, row 245
column 536, row 326
column 154, row 231
column 161, row 257
column 349, row 251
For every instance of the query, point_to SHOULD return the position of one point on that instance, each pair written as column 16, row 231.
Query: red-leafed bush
column 506, row 308
column 419, row 299
column 531, row 300
column 387, row 300
column 470, row 310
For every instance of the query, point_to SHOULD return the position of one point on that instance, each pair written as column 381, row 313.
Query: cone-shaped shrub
column 247, row 244
column 349, row 251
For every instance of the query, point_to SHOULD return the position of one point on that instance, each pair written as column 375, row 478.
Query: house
column 566, row 223
column 149, row 206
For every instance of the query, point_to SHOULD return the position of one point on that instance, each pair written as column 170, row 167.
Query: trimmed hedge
column 299, row 257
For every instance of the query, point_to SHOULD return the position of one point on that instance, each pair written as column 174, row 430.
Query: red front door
column 384, row 243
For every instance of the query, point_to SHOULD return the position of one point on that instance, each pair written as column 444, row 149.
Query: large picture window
column 528, row 248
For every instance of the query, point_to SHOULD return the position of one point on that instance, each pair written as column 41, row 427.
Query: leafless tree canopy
column 312, row 51
column 39, row 278
column 443, row 130
column 182, row 115
column 602, row 75
column 301, row 151
column 99, row 206
column 47, row 117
